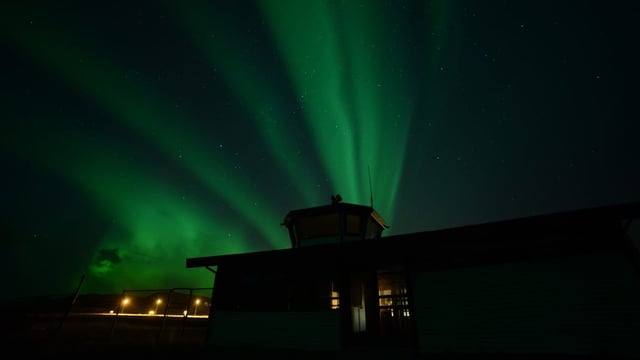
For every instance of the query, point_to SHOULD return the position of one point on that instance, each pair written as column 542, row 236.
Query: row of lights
column 126, row 301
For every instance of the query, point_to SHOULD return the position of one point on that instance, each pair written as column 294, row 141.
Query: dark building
column 559, row 284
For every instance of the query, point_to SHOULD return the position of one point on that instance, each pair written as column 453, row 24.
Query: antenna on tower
column 370, row 187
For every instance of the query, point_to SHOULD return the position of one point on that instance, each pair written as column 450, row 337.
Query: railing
column 172, row 307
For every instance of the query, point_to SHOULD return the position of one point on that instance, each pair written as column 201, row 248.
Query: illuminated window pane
column 335, row 300
column 393, row 303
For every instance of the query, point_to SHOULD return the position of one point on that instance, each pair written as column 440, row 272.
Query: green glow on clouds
column 135, row 199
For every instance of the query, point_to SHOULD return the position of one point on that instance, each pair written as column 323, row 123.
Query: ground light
column 125, row 301
column 195, row 311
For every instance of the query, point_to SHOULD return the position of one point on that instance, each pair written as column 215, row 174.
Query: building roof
column 593, row 230
column 333, row 208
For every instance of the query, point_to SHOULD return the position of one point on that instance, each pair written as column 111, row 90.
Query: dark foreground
column 55, row 335
column 51, row 336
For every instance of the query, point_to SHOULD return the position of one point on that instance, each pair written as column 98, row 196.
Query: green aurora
column 185, row 129
column 155, row 220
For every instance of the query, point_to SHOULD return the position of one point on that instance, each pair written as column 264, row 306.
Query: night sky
column 136, row 134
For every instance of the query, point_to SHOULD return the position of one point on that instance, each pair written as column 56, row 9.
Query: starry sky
column 136, row 134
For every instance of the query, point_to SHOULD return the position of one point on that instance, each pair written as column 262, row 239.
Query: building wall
column 575, row 305
column 276, row 304
column 276, row 330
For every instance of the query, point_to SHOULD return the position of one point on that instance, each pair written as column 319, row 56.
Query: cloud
column 105, row 257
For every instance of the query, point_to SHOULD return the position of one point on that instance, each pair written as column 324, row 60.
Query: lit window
column 335, row 300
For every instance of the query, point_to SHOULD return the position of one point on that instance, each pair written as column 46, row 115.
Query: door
column 393, row 305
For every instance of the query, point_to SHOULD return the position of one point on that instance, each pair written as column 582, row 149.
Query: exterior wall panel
column 578, row 305
column 317, row 331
